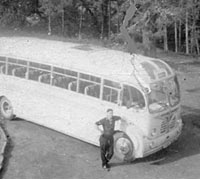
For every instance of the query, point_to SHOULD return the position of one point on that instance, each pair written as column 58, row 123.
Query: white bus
column 69, row 86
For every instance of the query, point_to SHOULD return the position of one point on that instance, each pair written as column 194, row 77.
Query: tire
column 123, row 147
column 6, row 109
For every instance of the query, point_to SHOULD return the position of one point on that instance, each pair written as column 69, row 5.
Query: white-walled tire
column 6, row 109
column 123, row 147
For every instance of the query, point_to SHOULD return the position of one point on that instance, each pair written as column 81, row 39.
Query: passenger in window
column 106, row 139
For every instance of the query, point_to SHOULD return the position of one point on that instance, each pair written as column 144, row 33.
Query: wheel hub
column 123, row 145
column 6, row 108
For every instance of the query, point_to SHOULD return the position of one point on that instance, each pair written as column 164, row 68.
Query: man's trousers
column 106, row 147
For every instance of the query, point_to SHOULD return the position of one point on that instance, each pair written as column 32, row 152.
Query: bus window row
column 83, row 83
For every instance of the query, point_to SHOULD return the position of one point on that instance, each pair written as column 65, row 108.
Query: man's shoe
column 107, row 167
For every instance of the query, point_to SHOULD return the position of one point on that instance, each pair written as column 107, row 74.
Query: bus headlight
column 151, row 145
column 153, row 132
column 179, row 121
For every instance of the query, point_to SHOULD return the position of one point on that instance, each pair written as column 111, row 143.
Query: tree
column 153, row 21
column 52, row 8
column 13, row 13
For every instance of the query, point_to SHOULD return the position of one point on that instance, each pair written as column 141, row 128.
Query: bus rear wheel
column 123, row 147
column 6, row 109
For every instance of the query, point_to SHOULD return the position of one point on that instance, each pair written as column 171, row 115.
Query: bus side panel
column 12, row 92
column 59, row 109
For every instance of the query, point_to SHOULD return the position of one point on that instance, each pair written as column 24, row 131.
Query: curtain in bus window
column 2, row 65
column 132, row 97
column 17, row 67
column 73, row 85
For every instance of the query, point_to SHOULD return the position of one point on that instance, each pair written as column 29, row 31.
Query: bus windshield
column 163, row 94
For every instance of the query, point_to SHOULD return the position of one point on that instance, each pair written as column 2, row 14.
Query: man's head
column 109, row 113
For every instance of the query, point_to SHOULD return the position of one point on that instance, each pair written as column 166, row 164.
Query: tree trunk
column 80, row 23
column 186, row 34
column 180, row 34
column 129, row 14
column 63, row 21
column 165, row 39
column 109, row 19
column 118, row 20
column 197, row 45
column 49, row 24
column 194, row 36
column 193, row 41
column 102, row 27
column 36, row 6
column 175, row 36
column 105, row 31
column 145, row 42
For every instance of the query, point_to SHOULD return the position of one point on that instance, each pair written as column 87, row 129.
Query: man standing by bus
column 106, row 139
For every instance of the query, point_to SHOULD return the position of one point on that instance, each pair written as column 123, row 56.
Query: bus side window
column 126, row 97
column 45, row 78
column 62, row 81
column 111, row 91
column 19, row 72
column 93, row 90
column 17, row 67
column 11, row 67
column 132, row 97
column 87, row 85
column 64, row 78
column 83, row 85
column 110, row 95
column 39, row 72
column 35, row 73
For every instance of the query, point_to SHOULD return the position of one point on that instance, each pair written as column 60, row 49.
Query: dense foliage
column 168, row 24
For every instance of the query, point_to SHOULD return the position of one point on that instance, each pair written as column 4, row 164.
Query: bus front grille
column 164, row 126
column 167, row 124
column 172, row 123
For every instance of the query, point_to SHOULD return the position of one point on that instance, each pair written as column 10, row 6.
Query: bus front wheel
column 123, row 147
column 6, row 109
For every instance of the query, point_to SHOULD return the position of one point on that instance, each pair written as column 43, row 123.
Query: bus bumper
column 153, row 145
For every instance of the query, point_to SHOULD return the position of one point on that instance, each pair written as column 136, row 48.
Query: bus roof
column 86, row 58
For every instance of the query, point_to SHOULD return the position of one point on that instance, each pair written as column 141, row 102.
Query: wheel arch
column 136, row 137
column 7, row 112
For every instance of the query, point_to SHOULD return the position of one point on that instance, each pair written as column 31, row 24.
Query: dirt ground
column 35, row 152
